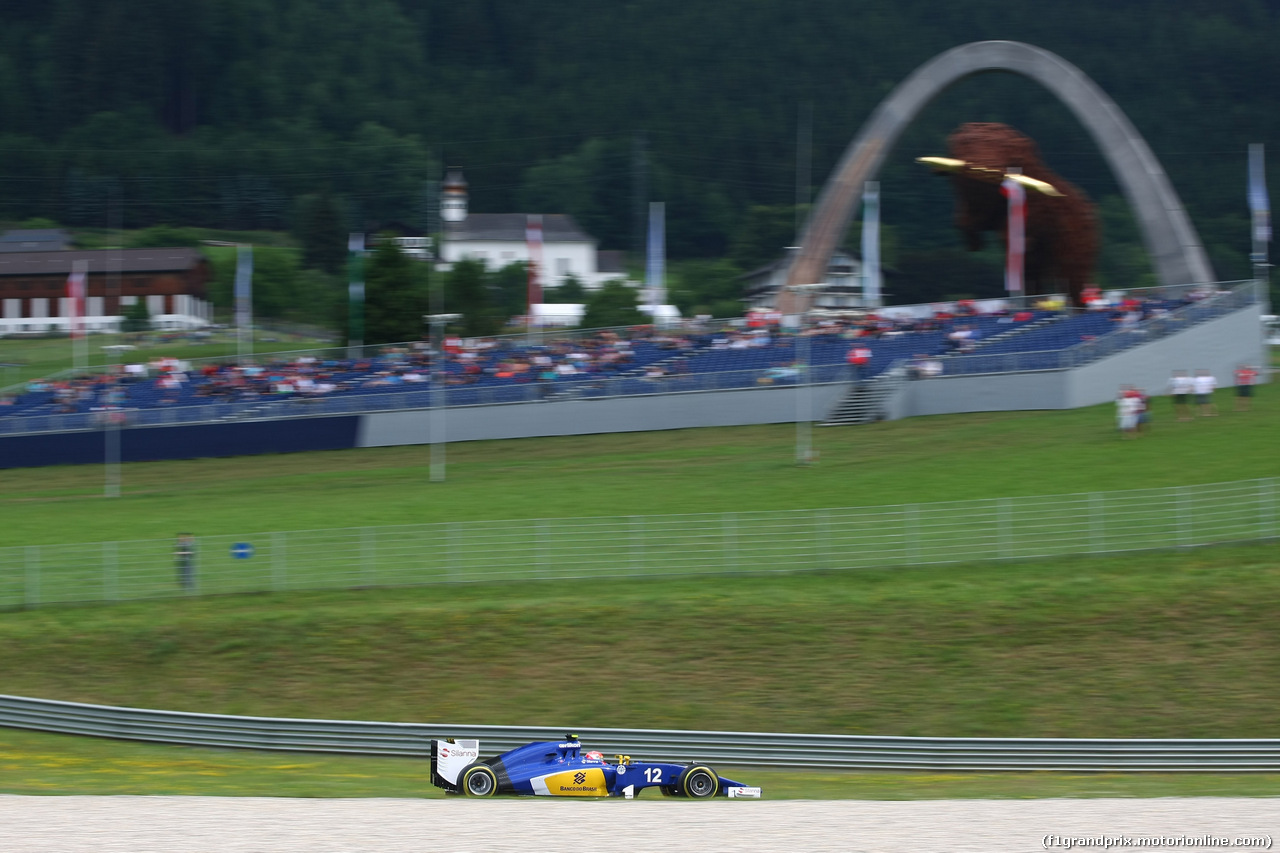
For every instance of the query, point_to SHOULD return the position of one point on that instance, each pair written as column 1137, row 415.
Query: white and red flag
column 1016, row 239
column 533, row 237
column 76, row 298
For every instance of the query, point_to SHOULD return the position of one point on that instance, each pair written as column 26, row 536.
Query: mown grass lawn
column 958, row 457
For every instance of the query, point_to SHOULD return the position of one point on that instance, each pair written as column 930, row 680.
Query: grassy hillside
column 1154, row 645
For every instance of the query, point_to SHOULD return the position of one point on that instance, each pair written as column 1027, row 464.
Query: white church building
column 500, row 239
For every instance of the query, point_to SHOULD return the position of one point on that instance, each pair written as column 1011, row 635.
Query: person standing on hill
column 1246, row 376
column 1128, row 407
column 1205, row 384
column 1181, row 386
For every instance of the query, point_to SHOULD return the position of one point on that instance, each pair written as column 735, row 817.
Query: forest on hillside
column 241, row 114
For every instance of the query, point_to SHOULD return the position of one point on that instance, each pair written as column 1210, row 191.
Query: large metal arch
column 1172, row 243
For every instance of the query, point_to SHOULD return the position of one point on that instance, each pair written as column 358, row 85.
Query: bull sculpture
column 1061, row 221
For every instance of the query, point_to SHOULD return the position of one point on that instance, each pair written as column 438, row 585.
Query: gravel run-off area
column 75, row 824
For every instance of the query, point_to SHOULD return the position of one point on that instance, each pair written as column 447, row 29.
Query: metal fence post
column 110, row 572
column 31, row 598
column 1184, row 522
column 1267, row 507
column 544, row 556
column 826, row 559
column 279, row 561
column 368, row 554
column 911, row 535
column 1003, row 507
column 1097, row 523
column 637, row 543
column 729, row 540
column 450, row 556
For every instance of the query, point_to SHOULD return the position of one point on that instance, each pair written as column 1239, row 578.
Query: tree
column 764, row 236
column 394, row 296
column 319, row 229
column 136, row 318
column 614, row 304
column 510, row 289
column 162, row 236
column 570, row 291
column 706, row 287
column 466, row 292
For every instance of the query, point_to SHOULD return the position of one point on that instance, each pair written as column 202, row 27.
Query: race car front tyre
column 698, row 782
column 478, row 780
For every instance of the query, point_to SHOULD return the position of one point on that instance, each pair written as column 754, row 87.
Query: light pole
column 439, row 403
column 804, row 390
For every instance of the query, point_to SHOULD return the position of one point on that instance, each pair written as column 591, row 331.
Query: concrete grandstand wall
column 614, row 414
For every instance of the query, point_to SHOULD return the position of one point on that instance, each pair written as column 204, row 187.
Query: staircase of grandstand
column 866, row 401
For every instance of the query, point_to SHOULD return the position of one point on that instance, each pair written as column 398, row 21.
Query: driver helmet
column 594, row 755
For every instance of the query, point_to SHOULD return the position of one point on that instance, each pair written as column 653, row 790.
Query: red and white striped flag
column 533, row 237
column 1016, row 241
column 76, row 298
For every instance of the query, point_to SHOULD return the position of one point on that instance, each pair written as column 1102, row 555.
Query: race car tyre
column 698, row 782
column 478, row 780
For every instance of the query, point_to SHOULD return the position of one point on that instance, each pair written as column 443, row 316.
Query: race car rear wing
column 449, row 758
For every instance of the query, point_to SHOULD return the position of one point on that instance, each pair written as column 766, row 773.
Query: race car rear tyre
column 478, row 780
column 698, row 782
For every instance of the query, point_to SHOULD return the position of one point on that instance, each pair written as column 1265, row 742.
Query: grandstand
column 642, row 378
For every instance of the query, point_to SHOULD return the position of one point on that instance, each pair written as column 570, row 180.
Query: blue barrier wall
column 147, row 444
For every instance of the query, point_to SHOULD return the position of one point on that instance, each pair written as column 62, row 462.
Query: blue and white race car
column 562, row 769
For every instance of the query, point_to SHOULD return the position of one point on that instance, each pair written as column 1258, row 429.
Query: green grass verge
column 1157, row 645
column 959, row 457
column 45, row 764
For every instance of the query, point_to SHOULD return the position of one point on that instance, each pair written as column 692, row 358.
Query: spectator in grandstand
column 1246, row 376
column 858, row 358
column 1205, row 384
column 1180, row 387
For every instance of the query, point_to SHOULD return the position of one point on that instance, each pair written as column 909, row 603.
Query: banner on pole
column 355, row 289
column 1259, row 204
column 533, row 240
column 871, row 245
column 1016, row 240
column 244, row 287
column 656, row 256
column 76, row 285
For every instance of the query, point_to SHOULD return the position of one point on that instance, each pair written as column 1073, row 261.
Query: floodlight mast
column 436, row 432
column 804, row 390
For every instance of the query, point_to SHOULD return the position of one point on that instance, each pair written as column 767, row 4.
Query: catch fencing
column 745, row 749
column 648, row 545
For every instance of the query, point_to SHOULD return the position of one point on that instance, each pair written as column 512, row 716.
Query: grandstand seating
column 733, row 358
